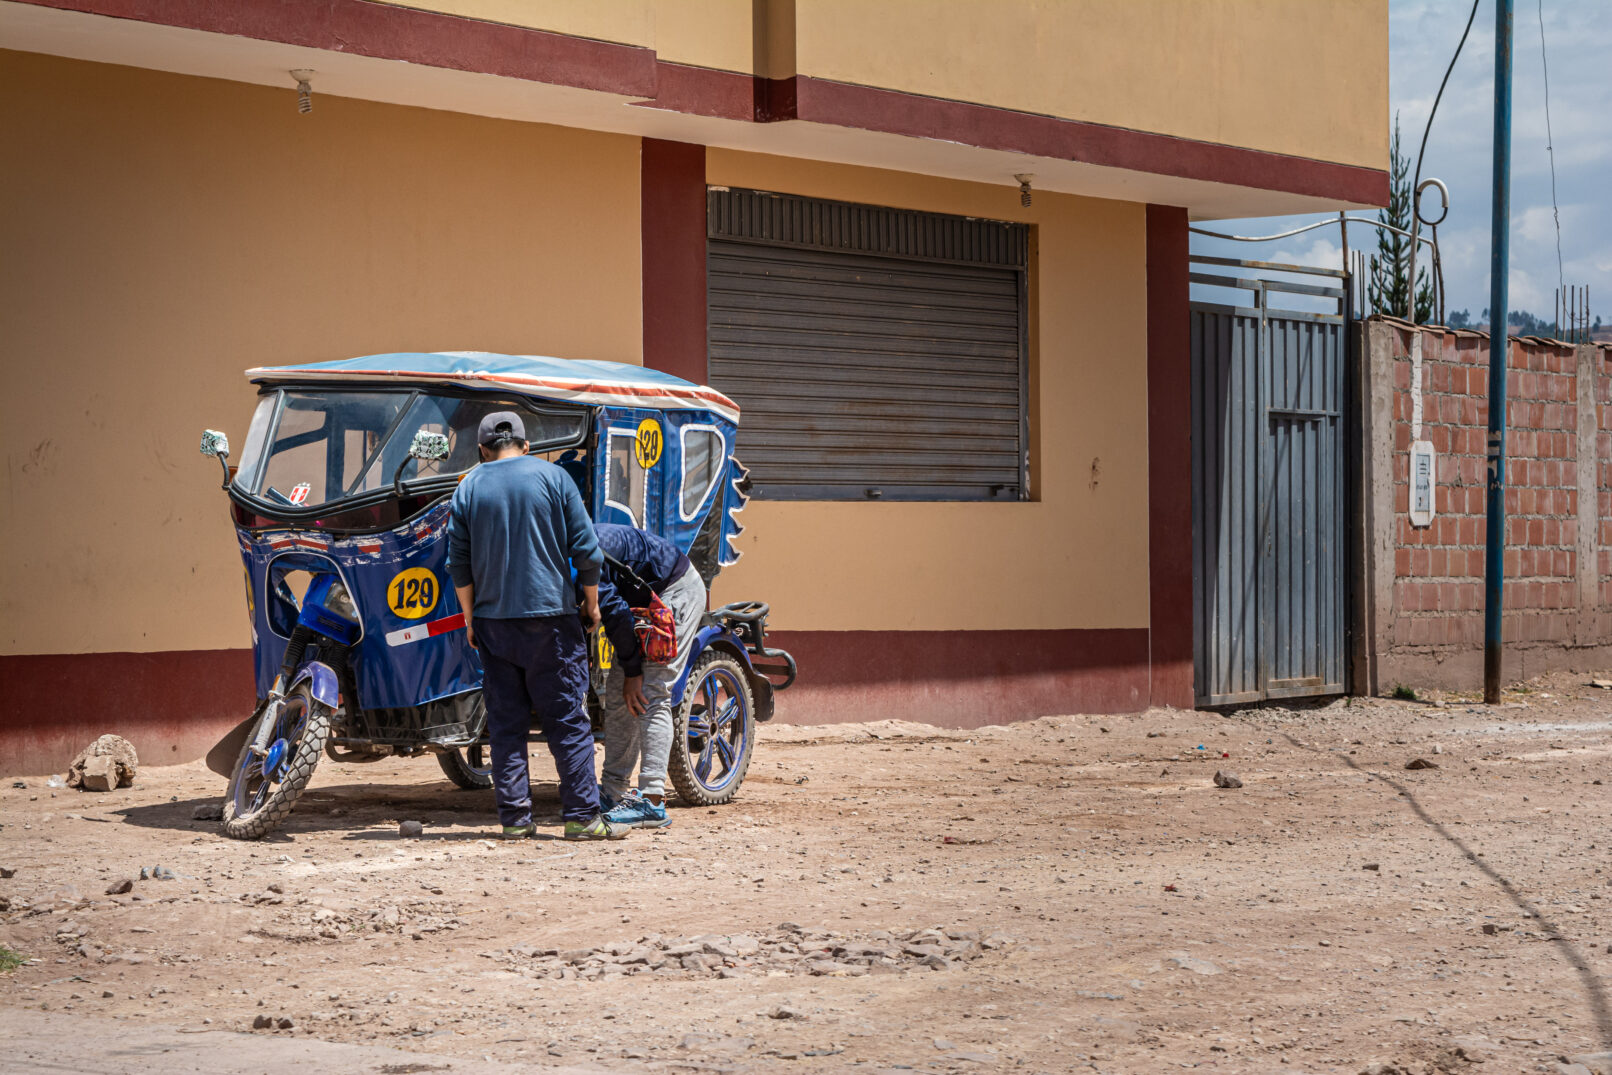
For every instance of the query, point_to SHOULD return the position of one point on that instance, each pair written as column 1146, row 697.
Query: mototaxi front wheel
column 263, row 788
column 713, row 731
column 470, row 768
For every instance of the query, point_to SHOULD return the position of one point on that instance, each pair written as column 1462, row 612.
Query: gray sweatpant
column 646, row 741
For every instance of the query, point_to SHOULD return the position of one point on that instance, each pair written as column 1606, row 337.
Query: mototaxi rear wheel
column 264, row 788
column 713, row 731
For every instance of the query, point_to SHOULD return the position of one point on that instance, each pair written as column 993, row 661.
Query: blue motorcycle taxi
column 340, row 501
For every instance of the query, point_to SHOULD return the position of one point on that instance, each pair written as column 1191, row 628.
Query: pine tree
column 1388, row 289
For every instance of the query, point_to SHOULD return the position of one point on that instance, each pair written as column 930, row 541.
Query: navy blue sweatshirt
column 655, row 560
column 513, row 525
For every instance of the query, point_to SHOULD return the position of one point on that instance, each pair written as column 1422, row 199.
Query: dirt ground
column 1065, row 894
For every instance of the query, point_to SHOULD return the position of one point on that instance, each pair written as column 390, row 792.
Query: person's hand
column 632, row 689
column 470, row 633
column 590, row 609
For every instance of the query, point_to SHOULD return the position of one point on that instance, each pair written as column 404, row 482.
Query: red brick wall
column 1437, row 590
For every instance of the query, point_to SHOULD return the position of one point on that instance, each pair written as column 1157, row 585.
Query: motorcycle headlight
column 339, row 601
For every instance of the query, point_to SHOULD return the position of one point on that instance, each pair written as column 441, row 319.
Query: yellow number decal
column 646, row 447
column 412, row 593
column 607, row 654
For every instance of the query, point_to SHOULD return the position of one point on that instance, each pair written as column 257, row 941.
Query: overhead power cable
column 1550, row 151
column 1416, row 185
column 1416, row 182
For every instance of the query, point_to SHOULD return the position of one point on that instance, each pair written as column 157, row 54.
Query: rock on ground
column 109, row 762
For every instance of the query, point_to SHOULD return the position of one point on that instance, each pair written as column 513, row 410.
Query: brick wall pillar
column 1587, row 628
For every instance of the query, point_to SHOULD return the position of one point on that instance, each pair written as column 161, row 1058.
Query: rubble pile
column 309, row 921
column 109, row 762
column 788, row 951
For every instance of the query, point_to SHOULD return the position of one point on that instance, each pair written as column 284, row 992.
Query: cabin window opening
column 625, row 483
column 704, row 454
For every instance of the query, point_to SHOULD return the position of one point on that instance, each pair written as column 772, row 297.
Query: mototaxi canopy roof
column 573, row 380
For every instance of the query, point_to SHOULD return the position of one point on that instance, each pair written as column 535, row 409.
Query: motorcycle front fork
column 295, row 648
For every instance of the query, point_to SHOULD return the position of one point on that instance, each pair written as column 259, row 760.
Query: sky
column 1422, row 34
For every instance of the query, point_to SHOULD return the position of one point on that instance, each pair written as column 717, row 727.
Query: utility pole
column 1494, row 561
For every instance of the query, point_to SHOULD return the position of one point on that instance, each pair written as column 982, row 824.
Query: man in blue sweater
column 638, row 695
column 514, row 522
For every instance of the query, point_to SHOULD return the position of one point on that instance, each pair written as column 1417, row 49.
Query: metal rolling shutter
column 876, row 353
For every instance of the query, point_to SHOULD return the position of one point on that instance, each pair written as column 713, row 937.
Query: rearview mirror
column 216, row 444
column 429, row 447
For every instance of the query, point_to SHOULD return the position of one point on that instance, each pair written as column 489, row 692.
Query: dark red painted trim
column 390, row 32
column 702, row 91
column 672, row 200
column 962, row 679
column 892, row 111
column 172, row 706
column 775, row 99
column 1169, row 458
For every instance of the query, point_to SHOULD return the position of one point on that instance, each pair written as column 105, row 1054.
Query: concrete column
column 672, row 225
column 1169, row 459
column 1588, row 471
column 1374, row 534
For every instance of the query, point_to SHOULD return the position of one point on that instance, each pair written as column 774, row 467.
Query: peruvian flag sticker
column 299, row 493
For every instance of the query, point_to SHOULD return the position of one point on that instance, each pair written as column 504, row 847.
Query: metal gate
column 1269, row 397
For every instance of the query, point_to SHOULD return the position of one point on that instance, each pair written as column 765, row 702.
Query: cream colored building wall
column 163, row 233
column 705, row 33
column 1076, row 557
column 1307, row 78
column 1302, row 77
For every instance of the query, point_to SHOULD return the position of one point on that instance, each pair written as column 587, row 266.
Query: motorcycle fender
column 227, row 751
column 324, row 688
column 761, row 687
column 709, row 638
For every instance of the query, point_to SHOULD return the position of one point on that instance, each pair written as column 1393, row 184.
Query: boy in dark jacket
column 638, row 694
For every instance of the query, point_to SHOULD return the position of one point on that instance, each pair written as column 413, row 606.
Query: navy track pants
column 538, row 666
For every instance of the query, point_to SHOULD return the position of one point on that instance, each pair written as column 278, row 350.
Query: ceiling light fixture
column 304, row 77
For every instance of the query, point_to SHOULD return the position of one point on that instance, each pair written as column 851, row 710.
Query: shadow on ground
column 1594, row 989
column 358, row 808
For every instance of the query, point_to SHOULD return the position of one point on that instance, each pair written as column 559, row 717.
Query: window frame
column 717, row 469
column 426, row 489
column 631, row 436
column 738, row 218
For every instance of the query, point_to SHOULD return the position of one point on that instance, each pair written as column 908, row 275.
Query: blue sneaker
column 637, row 812
column 607, row 802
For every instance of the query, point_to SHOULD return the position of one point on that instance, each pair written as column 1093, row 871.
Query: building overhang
column 398, row 55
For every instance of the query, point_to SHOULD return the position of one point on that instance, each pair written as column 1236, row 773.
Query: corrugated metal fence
column 1269, row 403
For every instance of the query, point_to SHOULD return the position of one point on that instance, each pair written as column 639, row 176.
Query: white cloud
column 1536, row 224
column 1525, row 293
column 1320, row 254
